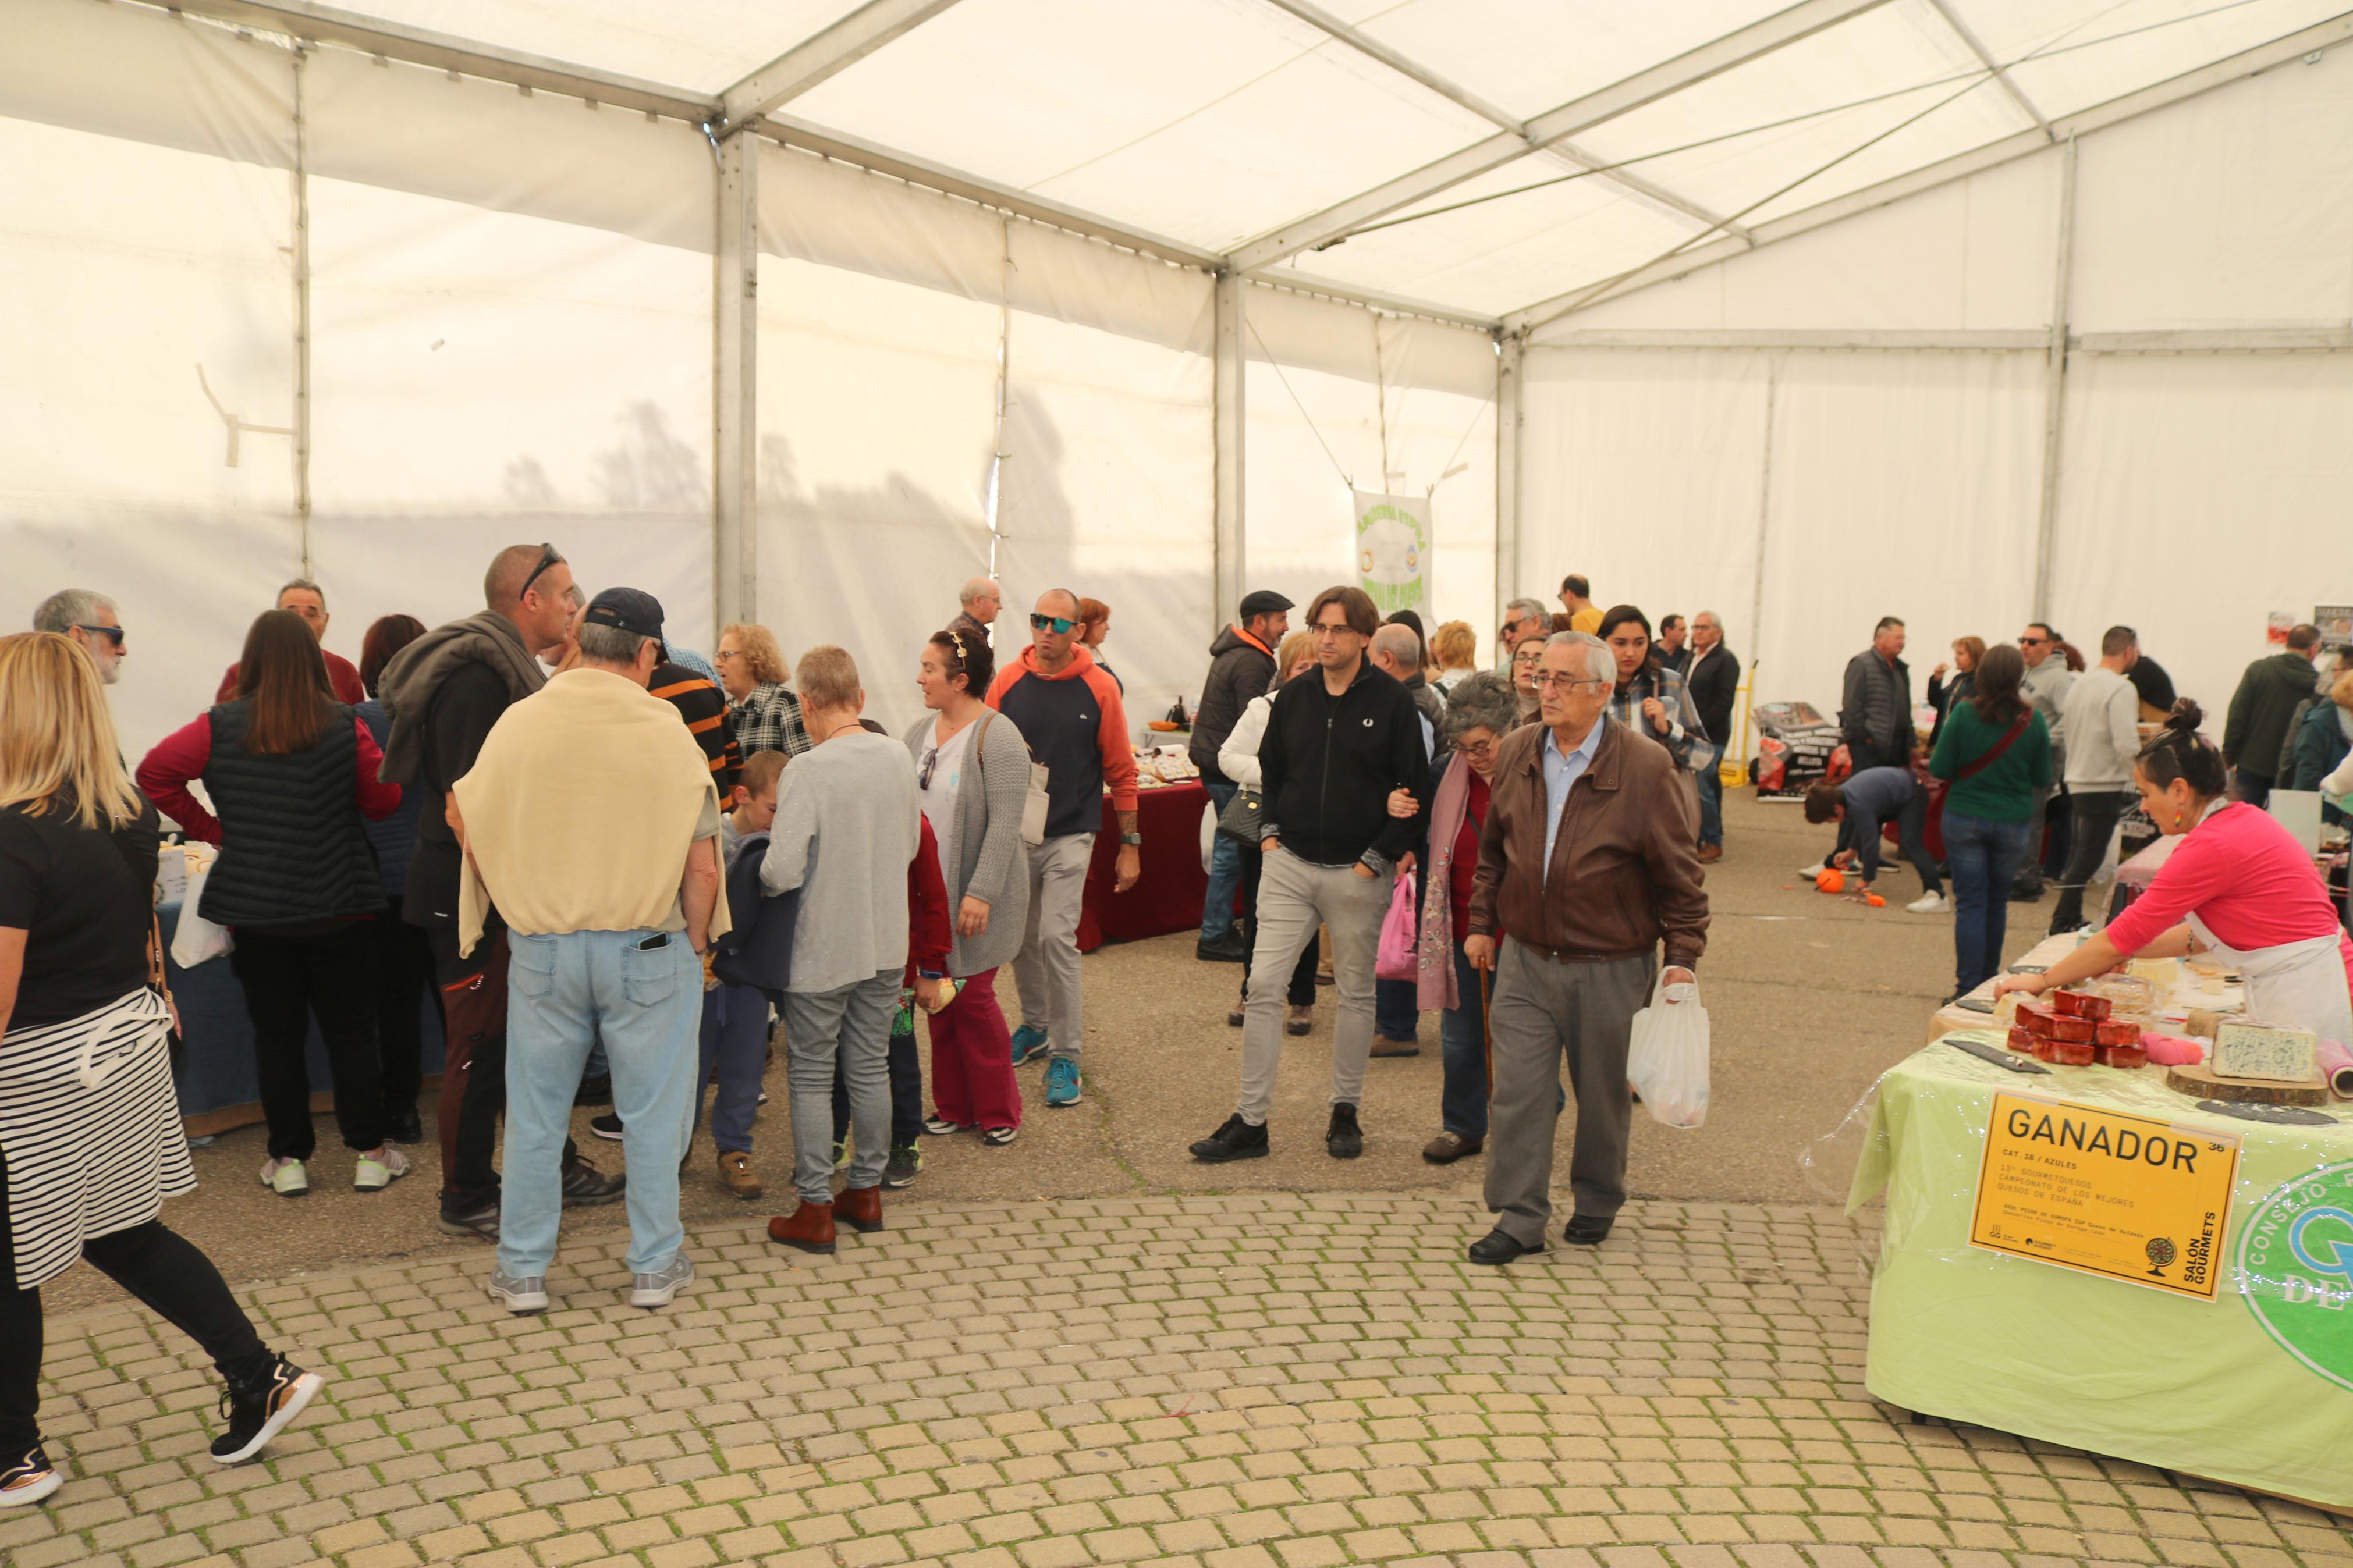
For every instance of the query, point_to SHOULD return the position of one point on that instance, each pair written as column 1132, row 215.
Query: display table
column 218, row 1086
column 2042, row 955
column 2252, row 1387
column 1171, row 883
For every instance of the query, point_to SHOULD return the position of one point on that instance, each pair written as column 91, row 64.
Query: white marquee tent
column 806, row 310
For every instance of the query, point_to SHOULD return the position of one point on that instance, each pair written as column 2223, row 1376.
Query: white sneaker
column 527, row 1294
column 1931, row 904
column 657, row 1289
column 373, row 1175
column 287, row 1178
column 1812, row 872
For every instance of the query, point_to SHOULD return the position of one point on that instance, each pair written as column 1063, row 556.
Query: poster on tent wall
column 1393, row 540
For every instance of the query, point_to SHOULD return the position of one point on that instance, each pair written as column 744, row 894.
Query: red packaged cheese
column 2078, row 1004
column 2038, row 1018
column 2121, row 1056
column 2060, row 1027
column 2022, row 1040
column 2073, row 1053
column 2117, row 1032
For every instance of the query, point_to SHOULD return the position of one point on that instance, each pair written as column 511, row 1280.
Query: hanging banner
column 1393, row 540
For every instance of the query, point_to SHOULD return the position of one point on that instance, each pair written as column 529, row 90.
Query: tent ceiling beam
column 2310, row 40
column 834, row 49
column 1962, row 30
column 422, row 46
column 2241, row 341
column 1712, row 59
column 1836, row 338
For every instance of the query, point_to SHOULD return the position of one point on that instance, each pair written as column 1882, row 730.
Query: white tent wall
column 1323, row 374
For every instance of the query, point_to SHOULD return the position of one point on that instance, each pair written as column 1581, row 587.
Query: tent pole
column 1763, row 533
column 1231, row 425
column 1510, row 415
column 302, row 325
column 735, row 402
column 2055, row 384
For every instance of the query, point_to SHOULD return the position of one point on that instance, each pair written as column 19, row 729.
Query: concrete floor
column 1810, row 999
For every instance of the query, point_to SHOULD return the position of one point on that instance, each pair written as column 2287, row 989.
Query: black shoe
column 585, row 1185
column 1589, row 1230
column 1495, row 1249
column 402, row 1126
column 900, row 1171
column 1226, row 949
column 1344, row 1140
column 481, row 1220
column 1237, row 1140
column 2026, row 890
column 608, row 1127
column 258, row 1411
column 597, row 1091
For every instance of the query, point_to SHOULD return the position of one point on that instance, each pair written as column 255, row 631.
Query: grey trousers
column 1293, row 897
column 855, row 1021
column 1046, row 969
column 1543, row 1013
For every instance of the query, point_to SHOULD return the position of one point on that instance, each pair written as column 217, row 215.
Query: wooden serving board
column 2202, row 1082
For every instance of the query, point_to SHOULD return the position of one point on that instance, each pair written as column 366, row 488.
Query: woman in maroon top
column 1480, row 712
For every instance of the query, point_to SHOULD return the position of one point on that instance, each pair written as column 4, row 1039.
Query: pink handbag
column 1396, row 958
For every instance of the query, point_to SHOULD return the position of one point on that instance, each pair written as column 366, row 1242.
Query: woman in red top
column 2238, row 885
column 1481, row 711
column 289, row 773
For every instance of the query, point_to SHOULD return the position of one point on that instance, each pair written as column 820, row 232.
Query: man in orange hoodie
column 1068, row 711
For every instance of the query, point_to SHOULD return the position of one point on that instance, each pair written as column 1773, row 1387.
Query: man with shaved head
column 1067, row 708
column 980, row 598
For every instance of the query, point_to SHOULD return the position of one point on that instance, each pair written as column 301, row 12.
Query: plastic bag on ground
column 1396, row 959
column 1666, row 1060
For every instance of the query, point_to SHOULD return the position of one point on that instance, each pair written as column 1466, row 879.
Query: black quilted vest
column 291, row 846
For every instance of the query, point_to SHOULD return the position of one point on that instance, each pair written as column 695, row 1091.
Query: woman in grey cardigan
column 972, row 770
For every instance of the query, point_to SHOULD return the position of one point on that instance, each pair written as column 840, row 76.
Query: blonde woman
column 1454, row 649
column 89, row 1128
column 752, row 671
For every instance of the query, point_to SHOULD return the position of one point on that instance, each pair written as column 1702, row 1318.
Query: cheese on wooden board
column 2258, row 1050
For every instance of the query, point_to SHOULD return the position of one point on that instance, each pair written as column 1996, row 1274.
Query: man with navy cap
column 1241, row 666
column 590, row 818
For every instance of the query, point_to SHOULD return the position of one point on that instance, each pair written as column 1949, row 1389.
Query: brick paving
column 1267, row 1381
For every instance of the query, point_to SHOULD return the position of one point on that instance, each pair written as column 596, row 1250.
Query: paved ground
column 1162, row 1361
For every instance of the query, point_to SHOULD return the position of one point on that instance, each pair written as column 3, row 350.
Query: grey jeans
column 855, row 1021
column 1543, row 1013
column 1293, row 897
column 1046, row 969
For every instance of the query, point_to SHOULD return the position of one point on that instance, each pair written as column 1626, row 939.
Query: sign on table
column 2127, row 1197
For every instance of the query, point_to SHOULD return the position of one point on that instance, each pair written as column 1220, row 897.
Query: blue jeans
column 1396, row 1012
column 1462, row 1035
column 1984, row 856
column 1225, row 870
column 1711, row 806
column 735, row 1042
column 564, row 992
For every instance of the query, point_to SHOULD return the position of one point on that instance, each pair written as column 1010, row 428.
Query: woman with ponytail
column 2238, row 885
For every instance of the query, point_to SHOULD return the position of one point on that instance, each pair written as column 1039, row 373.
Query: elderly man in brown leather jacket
column 1586, row 863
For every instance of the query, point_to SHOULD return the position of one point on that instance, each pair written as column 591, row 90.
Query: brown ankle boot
column 860, row 1208
column 809, row 1227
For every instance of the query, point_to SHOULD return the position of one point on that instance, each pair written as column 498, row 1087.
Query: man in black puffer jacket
column 1338, row 744
column 1241, row 666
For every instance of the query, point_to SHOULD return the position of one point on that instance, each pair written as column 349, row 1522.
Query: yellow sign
column 2129, row 1198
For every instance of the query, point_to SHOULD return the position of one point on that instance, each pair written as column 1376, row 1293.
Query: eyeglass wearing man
column 1586, row 862
column 91, row 620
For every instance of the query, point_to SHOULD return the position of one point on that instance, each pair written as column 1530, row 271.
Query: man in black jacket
column 1875, row 702
column 1713, row 678
column 1241, row 667
column 1336, row 746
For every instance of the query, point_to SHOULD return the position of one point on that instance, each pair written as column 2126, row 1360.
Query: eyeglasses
column 724, row 653
column 547, row 558
column 1057, row 624
column 112, row 634
column 1475, row 747
column 1332, row 631
column 1528, row 658
column 1554, row 680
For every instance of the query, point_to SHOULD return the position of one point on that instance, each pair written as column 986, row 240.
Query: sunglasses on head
column 547, row 558
column 1057, row 624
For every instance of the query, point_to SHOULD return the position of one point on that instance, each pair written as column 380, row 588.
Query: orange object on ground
column 1874, row 901
column 1830, row 881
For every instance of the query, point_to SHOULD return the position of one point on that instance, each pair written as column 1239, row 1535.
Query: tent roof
column 1599, row 146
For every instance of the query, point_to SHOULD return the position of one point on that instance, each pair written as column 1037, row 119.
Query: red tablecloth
column 1168, row 892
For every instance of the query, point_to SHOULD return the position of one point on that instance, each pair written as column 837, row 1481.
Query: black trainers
column 1237, row 1140
column 608, row 1127
column 403, row 1126
column 1344, row 1140
column 480, row 1220
column 585, row 1185
column 900, row 1171
column 259, row 1410
column 26, row 1478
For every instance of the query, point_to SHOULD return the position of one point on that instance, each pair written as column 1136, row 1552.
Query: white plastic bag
column 1666, row 1060
column 197, row 940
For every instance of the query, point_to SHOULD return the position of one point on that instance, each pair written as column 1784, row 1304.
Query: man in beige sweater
column 589, row 819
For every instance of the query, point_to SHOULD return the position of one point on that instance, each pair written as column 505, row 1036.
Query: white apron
column 2293, row 984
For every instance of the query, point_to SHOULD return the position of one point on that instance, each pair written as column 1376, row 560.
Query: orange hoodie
column 1075, row 725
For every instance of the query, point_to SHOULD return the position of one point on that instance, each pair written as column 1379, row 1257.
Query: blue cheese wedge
column 2259, row 1050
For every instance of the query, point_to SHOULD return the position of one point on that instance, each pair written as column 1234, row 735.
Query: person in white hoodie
column 2103, row 726
column 1238, row 759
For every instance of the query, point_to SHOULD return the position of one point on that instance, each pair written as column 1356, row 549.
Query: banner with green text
column 1393, row 543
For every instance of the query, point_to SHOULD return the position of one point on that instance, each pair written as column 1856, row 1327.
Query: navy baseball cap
column 627, row 610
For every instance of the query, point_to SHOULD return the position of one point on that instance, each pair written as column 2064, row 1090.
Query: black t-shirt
column 85, row 899
column 458, row 720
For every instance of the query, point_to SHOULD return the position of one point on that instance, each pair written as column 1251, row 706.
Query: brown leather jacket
column 1625, row 868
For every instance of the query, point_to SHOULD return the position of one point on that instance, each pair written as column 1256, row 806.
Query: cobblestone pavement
column 1267, row 1381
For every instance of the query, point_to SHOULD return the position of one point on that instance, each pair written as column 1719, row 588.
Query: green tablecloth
column 2254, row 1387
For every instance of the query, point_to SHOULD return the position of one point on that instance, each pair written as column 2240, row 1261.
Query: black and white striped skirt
column 91, row 1131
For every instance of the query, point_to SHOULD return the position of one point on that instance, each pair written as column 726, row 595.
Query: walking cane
column 1487, row 1032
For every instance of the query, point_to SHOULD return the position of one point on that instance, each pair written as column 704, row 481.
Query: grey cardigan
column 991, row 862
